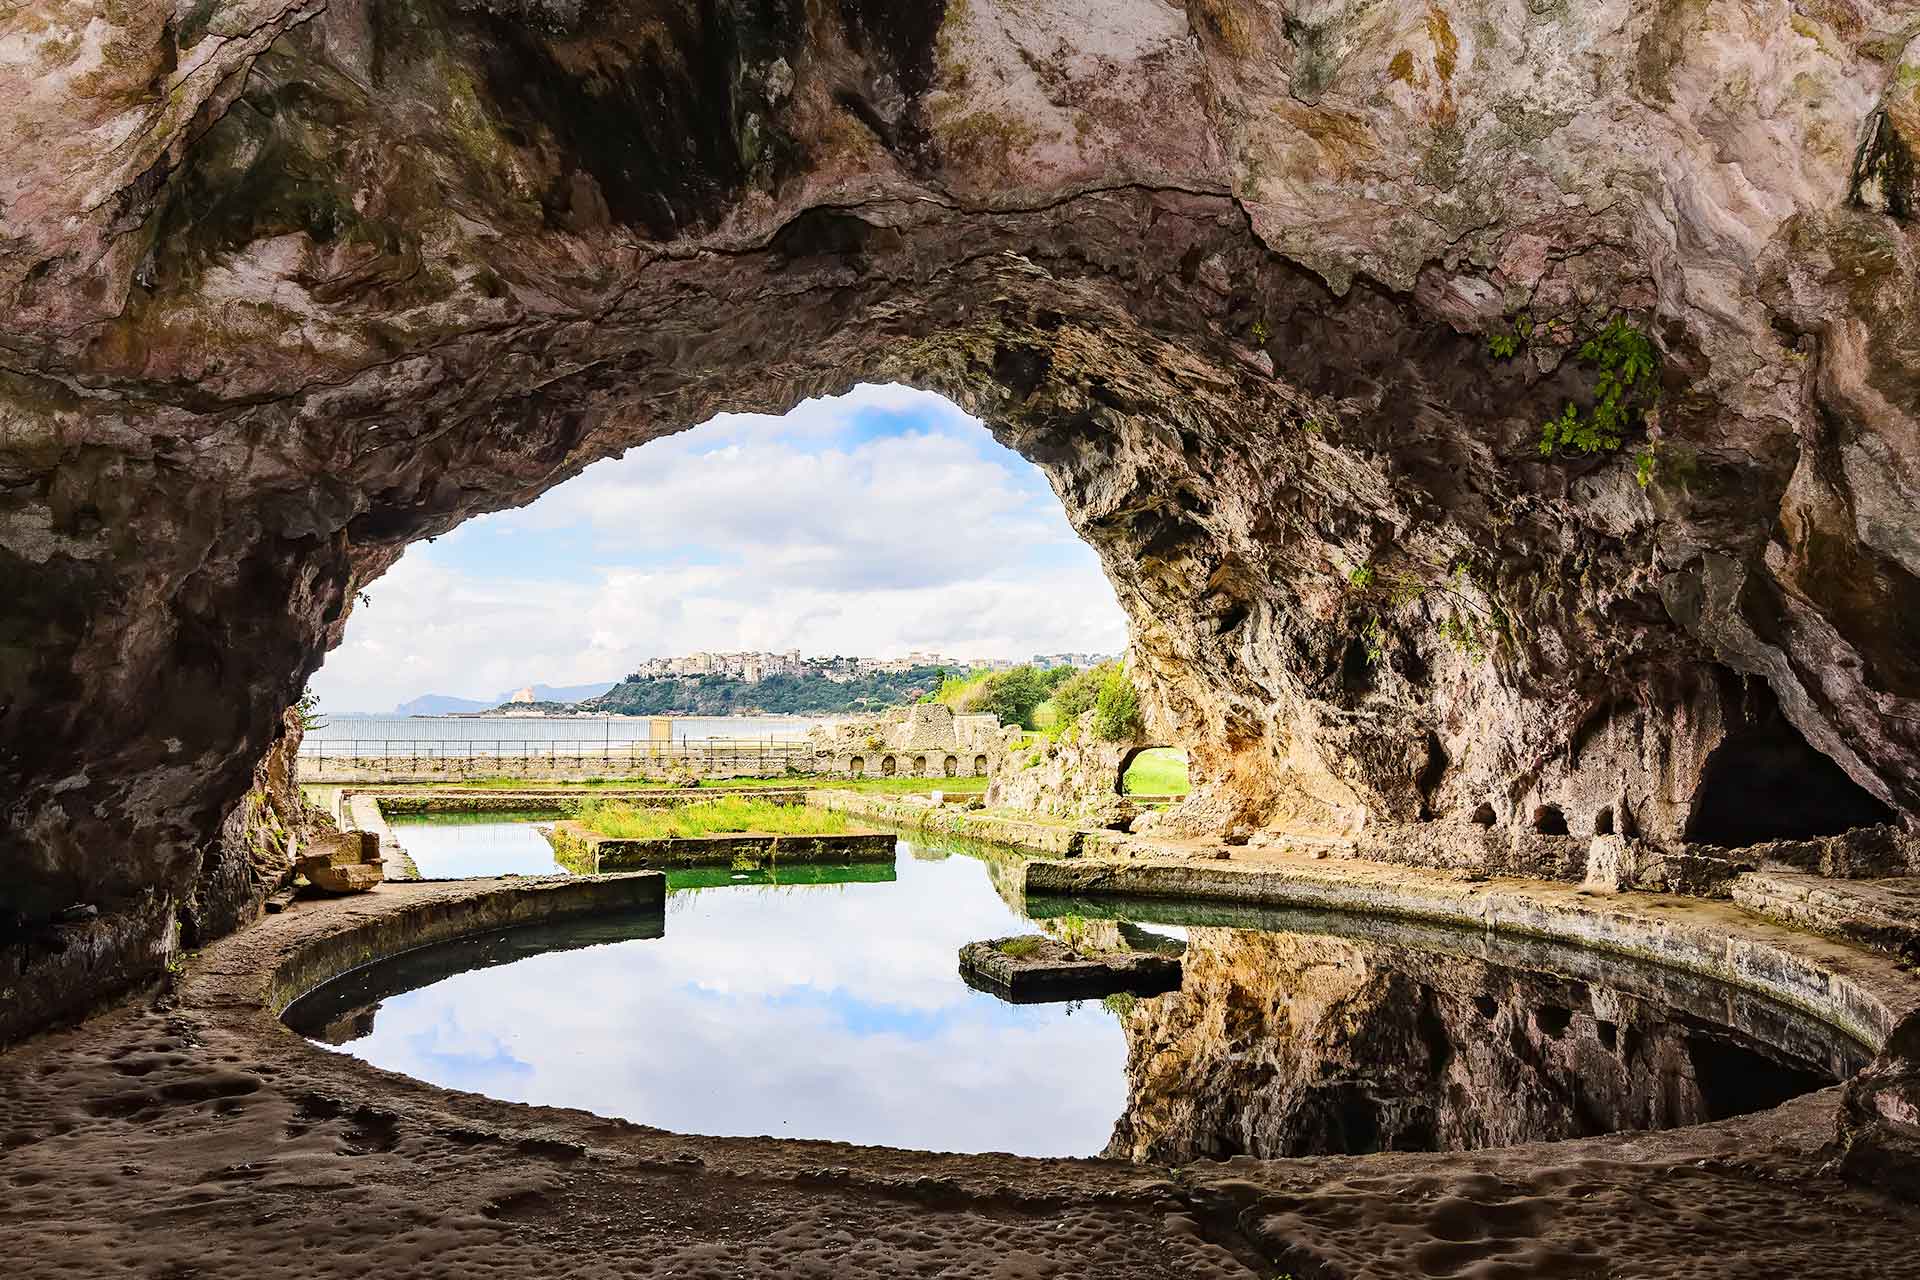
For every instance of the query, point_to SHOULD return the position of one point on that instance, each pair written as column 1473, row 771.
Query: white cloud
column 822, row 1011
column 823, row 530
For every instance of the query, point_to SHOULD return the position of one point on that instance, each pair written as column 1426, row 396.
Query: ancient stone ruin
column 926, row 740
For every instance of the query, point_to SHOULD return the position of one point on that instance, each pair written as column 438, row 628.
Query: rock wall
column 286, row 284
column 1285, row 1044
column 1072, row 775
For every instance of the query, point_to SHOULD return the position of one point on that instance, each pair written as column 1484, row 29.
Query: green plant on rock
column 1468, row 627
column 1644, row 465
column 1627, row 386
column 1505, row 346
column 307, row 712
column 1374, row 637
column 1259, row 333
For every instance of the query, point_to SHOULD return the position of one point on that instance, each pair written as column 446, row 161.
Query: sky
column 872, row 523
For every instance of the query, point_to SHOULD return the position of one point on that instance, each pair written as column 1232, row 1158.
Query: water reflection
column 447, row 846
column 818, row 1011
column 1309, row 1034
column 825, row 1002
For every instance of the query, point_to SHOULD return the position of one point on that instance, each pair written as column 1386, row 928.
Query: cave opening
column 1158, row 771
column 731, row 564
column 1766, row 782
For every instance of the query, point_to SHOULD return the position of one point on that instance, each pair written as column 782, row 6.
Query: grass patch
column 1019, row 948
column 727, row 815
column 1157, row 771
column 908, row 786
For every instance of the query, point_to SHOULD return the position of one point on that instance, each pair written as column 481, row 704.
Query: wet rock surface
column 1291, row 1044
column 284, row 286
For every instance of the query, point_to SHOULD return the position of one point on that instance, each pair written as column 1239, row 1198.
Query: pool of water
column 826, row 1003
column 456, row 845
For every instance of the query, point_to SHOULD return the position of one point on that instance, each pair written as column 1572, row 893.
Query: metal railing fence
column 701, row 752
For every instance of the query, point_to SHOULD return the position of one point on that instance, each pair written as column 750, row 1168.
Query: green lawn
column 707, row 818
column 1157, row 771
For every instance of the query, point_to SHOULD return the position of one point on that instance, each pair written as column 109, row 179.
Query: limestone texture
column 1290, row 1044
column 1279, row 298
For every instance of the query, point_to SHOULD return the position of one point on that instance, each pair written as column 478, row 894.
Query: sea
column 483, row 731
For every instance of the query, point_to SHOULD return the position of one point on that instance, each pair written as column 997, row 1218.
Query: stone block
column 340, row 877
column 1612, row 865
column 343, row 848
column 1043, row 970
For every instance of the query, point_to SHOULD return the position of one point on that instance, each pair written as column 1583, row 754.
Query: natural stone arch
column 252, row 354
column 1126, row 763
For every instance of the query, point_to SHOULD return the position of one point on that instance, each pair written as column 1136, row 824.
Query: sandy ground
column 188, row 1134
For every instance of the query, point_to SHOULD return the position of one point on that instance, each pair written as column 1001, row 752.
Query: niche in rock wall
column 1764, row 782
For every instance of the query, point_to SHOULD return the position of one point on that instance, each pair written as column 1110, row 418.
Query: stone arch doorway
column 857, row 766
column 951, row 766
column 919, row 766
column 1156, row 771
column 888, row 766
column 979, row 766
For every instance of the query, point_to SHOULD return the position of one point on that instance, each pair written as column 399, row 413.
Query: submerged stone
column 1037, row 969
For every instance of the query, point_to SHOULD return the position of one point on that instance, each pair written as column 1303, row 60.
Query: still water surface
column 451, row 846
column 809, row 1010
column 789, row 1004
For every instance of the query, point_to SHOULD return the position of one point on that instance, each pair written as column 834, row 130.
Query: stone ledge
column 1884, row 914
column 394, row 919
column 1863, row 993
column 581, row 849
column 1052, row 971
column 491, row 801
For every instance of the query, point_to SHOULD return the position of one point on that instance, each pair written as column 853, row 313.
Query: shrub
column 1108, row 692
column 1076, row 696
column 1116, row 712
column 1627, row 385
column 1011, row 695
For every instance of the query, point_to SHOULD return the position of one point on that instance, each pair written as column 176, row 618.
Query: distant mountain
column 441, row 704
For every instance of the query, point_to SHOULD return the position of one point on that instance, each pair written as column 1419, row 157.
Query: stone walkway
column 1884, row 914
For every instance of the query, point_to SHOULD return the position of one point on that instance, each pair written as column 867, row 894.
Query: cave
column 199, row 487
column 1277, row 302
column 1765, row 782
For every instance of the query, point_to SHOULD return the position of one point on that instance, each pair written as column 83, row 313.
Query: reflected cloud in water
column 818, row 1011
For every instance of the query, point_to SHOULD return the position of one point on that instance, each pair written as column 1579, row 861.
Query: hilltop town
column 754, row 667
